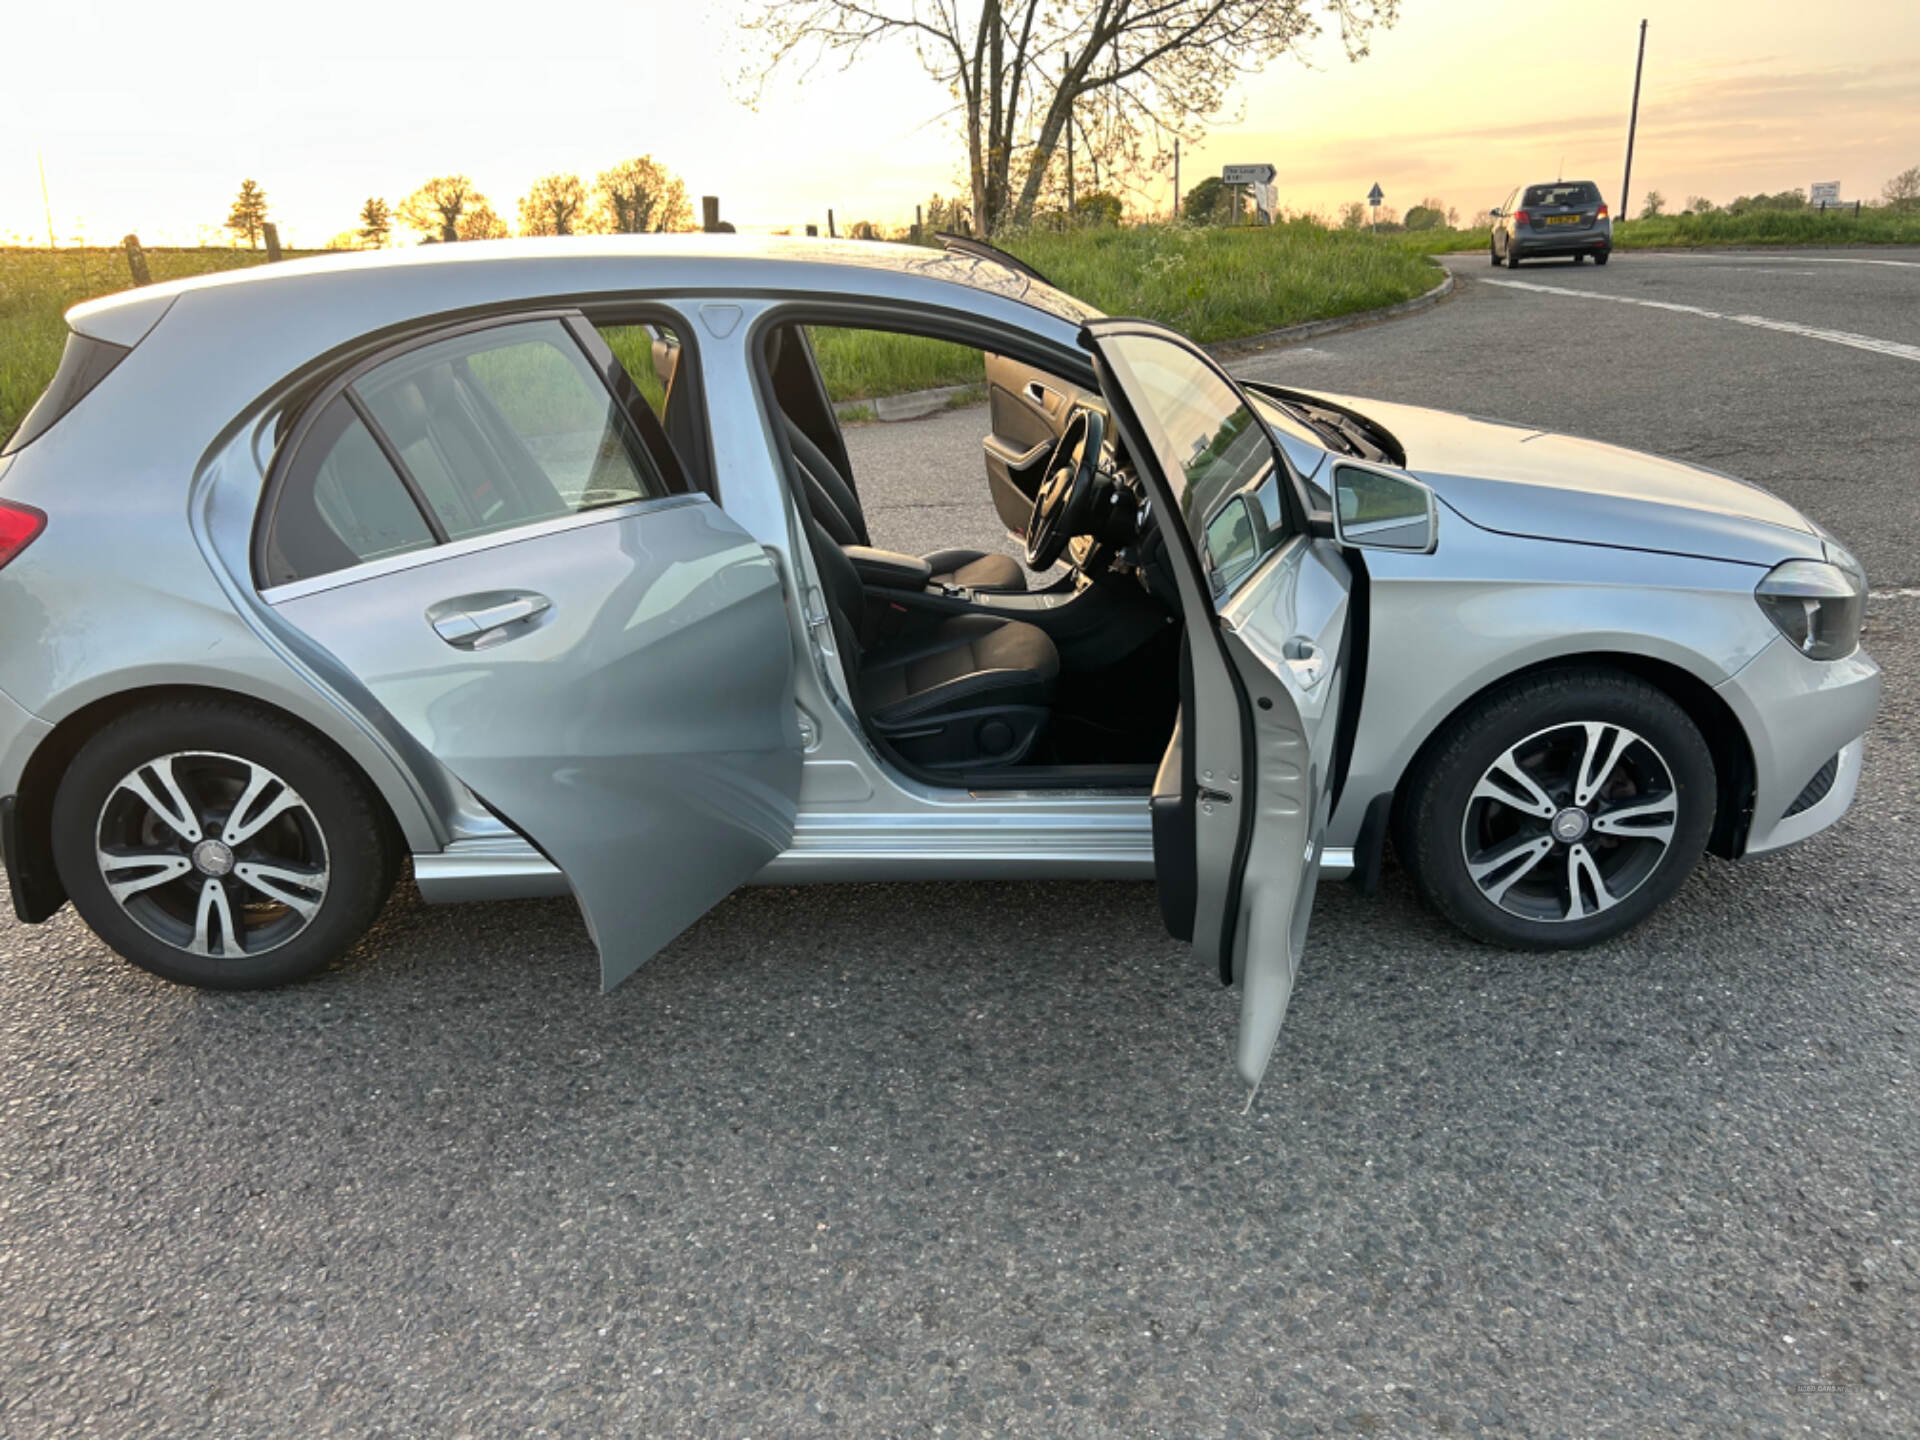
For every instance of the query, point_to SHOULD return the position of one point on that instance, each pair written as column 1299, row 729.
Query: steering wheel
column 1064, row 503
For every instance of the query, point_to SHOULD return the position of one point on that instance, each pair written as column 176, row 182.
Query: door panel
column 1257, row 738
column 618, row 687
column 1027, row 409
column 1283, row 634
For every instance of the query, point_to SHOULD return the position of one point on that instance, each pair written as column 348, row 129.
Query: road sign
column 1262, row 199
column 1825, row 192
column 1375, row 195
column 1248, row 175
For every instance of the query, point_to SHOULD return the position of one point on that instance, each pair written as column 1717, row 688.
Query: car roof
column 585, row 264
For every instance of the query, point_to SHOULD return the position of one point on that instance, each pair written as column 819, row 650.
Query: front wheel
column 1493, row 256
column 1559, row 811
column 221, row 845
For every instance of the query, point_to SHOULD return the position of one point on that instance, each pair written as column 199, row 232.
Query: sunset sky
column 149, row 116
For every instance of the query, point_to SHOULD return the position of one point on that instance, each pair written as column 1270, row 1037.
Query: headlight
column 1816, row 605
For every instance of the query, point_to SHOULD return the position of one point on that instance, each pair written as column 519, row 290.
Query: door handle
column 1048, row 400
column 473, row 622
column 1306, row 660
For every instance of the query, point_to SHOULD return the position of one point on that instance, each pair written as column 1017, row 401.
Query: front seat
column 836, row 504
column 968, row 692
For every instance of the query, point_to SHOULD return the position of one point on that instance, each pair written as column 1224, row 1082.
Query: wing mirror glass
column 1494, row 212
column 1379, row 510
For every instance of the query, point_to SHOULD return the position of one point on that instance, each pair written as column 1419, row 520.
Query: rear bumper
column 1578, row 242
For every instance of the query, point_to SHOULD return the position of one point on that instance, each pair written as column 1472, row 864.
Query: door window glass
column 507, row 426
column 342, row 503
column 1217, row 454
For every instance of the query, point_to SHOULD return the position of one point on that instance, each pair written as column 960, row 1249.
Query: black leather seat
column 836, row 505
column 962, row 692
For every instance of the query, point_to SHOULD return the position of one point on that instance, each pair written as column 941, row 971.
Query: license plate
column 1560, row 219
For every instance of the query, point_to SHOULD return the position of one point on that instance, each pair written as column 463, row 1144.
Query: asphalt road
column 970, row 1159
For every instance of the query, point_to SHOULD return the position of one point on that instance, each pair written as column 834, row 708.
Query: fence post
column 271, row 234
column 710, row 214
column 137, row 261
column 830, row 234
column 813, row 232
column 919, row 225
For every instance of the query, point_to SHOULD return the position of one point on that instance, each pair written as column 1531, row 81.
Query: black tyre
column 221, row 845
column 1559, row 811
column 1600, row 258
column 1493, row 256
column 1513, row 258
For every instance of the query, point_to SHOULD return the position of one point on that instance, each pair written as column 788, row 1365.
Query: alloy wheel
column 1570, row 821
column 212, row 854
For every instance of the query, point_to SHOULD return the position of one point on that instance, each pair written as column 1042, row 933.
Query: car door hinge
column 816, row 611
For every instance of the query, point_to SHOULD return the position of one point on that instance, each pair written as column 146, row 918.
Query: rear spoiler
column 981, row 250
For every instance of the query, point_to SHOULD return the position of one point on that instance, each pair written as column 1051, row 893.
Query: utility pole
column 1633, row 120
column 1176, row 177
column 43, row 196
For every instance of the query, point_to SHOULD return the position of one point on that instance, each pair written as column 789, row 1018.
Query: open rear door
column 603, row 658
column 1241, row 803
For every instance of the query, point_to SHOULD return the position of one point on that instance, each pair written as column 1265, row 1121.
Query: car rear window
column 1570, row 192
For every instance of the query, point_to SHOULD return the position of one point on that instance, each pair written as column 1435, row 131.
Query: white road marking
column 1790, row 327
column 1788, row 259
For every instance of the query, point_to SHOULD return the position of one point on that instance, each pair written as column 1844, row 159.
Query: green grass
column 38, row 286
column 1875, row 226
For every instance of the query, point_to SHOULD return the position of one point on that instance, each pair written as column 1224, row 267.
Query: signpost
column 1258, row 179
column 1824, row 193
column 1374, row 197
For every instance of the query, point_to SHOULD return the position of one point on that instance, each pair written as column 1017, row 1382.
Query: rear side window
column 480, row 432
column 1571, row 192
column 83, row 364
column 507, row 427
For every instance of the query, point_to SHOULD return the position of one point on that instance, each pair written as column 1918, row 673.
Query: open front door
column 605, row 660
column 1242, row 800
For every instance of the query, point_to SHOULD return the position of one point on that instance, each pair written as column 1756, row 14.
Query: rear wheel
column 1560, row 811
column 221, row 845
column 1513, row 257
column 1601, row 257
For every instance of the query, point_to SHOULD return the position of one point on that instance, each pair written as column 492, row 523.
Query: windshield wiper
column 1330, row 428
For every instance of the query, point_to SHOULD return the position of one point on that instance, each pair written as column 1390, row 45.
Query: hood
column 1522, row 481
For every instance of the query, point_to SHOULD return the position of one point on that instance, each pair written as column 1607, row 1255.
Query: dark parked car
column 1563, row 217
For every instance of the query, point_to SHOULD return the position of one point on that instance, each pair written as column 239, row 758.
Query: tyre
column 1513, row 258
column 1493, row 256
column 221, row 845
column 1558, row 811
column 1600, row 257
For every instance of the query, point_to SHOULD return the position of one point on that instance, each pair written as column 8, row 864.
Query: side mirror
column 1379, row 510
column 1494, row 212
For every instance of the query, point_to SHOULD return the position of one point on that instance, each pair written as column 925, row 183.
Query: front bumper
column 1799, row 715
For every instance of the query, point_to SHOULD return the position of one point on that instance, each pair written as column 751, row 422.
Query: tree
column 1205, row 202
column 637, row 196
column 480, row 223
column 1353, row 216
column 1656, row 203
column 1902, row 192
column 1020, row 71
column 555, row 206
column 249, row 213
column 1427, row 215
column 1098, row 207
column 438, row 208
column 376, row 222
column 1699, row 205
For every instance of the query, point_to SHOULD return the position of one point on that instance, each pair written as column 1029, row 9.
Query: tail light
column 1519, row 217
column 1602, row 214
column 19, row 524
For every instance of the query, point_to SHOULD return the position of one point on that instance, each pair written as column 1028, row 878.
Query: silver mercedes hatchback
column 543, row 565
